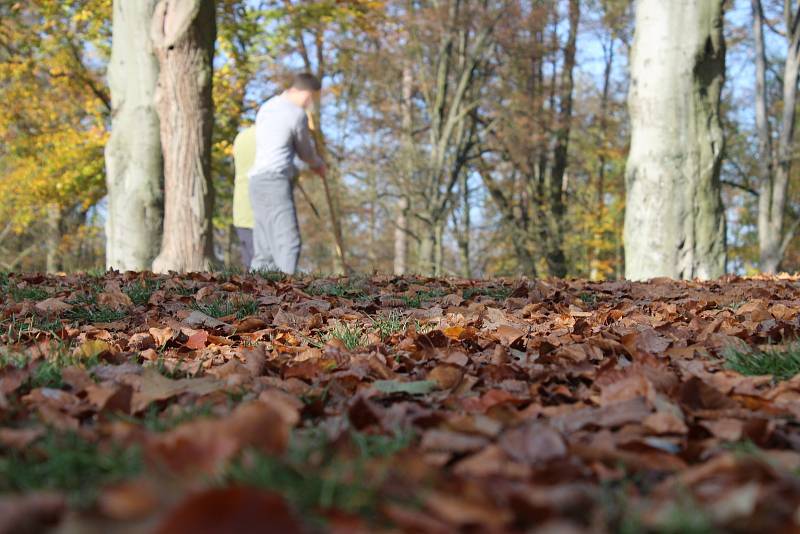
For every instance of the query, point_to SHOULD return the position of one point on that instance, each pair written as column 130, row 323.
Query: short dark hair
column 305, row 81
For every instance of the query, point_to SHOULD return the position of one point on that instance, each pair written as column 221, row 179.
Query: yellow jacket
column 244, row 154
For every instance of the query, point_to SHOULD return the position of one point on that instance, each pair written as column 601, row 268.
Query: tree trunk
column 674, row 221
column 597, row 238
column 401, row 237
column 53, row 239
column 775, row 165
column 407, row 114
column 557, row 190
column 464, row 233
column 426, row 252
column 133, row 153
column 183, row 33
column 438, row 251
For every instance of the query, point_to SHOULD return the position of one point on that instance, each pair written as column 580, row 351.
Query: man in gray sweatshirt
column 282, row 133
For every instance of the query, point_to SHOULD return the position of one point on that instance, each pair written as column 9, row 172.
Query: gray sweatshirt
column 281, row 133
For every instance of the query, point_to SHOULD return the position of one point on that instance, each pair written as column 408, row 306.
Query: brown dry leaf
column 446, row 376
column 228, row 369
column 35, row 512
column 11, row 378
column 726, row 429
column 110, row 397
column 141, row 341
column 197, row 340
column 204, row 293
column 77, row 378
column 492, row 461
column 507, row 335
column 19, row 438
column 200, row 320
column 459, row 511
column 533, row 443
column 608, row 416
column 646, row 341
column 128, row 500
column 114, row 299
column 53, row 305
column 153, row 386
column 233, row 509
column 449, row 441
column 162, row 336
column 665, row 423
column 206, row 445
column 249, row 324
column 255, row 360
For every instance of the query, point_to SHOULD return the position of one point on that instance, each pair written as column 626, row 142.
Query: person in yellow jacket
column 244, row 155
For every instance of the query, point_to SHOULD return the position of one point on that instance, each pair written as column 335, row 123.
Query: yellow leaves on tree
column 52, row 126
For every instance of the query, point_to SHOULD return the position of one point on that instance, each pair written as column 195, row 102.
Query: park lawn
column 141, row 402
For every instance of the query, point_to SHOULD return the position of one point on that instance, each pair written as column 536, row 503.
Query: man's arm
column 305, row 147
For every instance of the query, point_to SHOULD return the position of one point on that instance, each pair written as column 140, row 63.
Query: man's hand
column 321, row 171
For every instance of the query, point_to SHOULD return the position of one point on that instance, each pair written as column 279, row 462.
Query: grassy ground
column 398, row 404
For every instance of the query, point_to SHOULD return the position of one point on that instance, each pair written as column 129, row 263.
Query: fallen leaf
column 446, row 376
column 114, row 299
column 162, row 336
column 52, row 305
column 34, row 512
column 93, row 348
column 232, row 509
column 418, row 387
column 508, row 335
column 206, row 445
column 152, row 386
column 128, row 500
column 19, row 438
column 533, row 443
column 197, row 340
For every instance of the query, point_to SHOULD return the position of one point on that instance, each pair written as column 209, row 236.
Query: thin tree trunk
column 594, row 271
column 463, row 239
column 184, row 32
column 134, row 170
column 53, row 239
column 438, row 251
column 556, row 217
column 775, row 165
column 407, row 166
column 674, row 221
column 401, row 237
column 427, row 245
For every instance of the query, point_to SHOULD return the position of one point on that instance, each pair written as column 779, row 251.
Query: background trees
column 471, row 138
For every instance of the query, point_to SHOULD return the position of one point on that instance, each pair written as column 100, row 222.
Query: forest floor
column 217, row 403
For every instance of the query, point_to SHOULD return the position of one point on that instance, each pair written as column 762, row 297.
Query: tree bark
column 53, row 239
column 464, row 232
column 600, row 206
column 556, row 216
column 183, row 32
column 134, row 171
column 407, row 168
column 674, row 221
column 401, row 237
column 775, row 162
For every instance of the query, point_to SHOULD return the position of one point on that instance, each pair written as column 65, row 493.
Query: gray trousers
column 245, row 236
column 276, row 235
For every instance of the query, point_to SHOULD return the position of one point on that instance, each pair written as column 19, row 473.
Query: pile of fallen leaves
column 257, row 403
